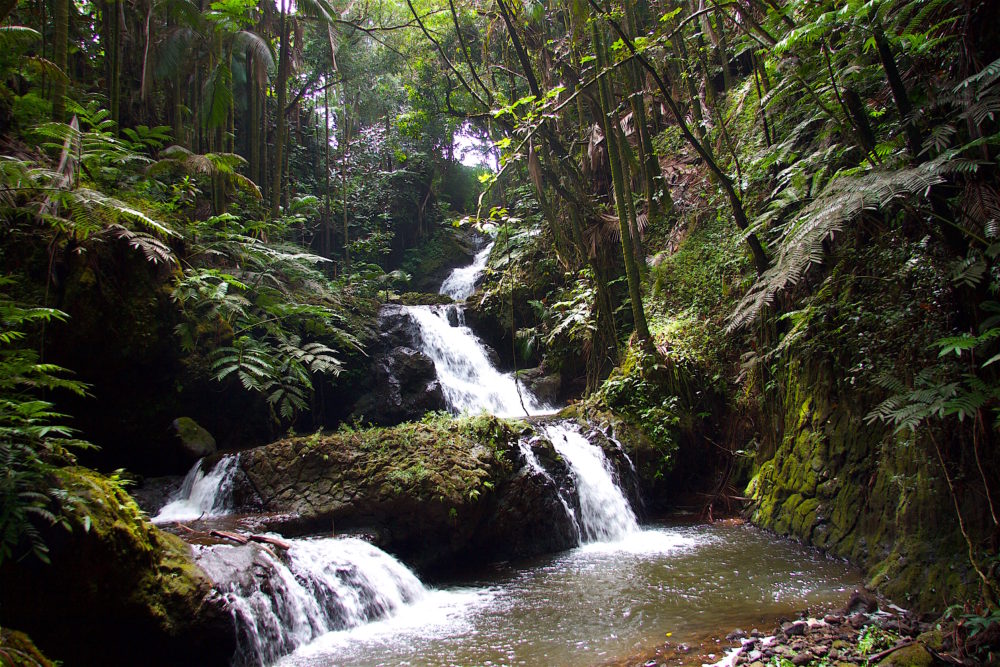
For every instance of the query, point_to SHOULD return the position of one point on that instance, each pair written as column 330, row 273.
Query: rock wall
column 860, row 492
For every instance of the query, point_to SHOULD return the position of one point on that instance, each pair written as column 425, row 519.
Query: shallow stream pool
column 600, row 603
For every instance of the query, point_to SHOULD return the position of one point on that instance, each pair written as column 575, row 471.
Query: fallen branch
column 880, row 656
column 226, row 535
column 274, row 541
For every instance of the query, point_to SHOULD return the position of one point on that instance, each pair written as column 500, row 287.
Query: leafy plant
column 34, row 440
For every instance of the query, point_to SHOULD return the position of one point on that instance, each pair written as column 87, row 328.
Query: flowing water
column 470, row 381
column 202, row 494
column 461, row 283
column 599, row 603
column 341, row 601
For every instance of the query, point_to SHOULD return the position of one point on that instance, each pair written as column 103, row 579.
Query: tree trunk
column 60, row 47
column 281, row 99
column 621, row 196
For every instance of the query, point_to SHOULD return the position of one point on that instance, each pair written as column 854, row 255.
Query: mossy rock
column 195, row 441
column 433, row 492
column 17, row 650
column 118, row 590
column 421, row 299
column 914, row 655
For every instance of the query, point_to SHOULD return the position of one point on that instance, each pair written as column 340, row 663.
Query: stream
column 622, row 592
column 599, row 603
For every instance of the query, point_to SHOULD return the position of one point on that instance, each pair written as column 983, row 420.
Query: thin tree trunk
column 60, row 48
column 739, row 213
column 621, row 196
column 281, row 99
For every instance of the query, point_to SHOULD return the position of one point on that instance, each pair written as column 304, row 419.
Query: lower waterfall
column 318, row 586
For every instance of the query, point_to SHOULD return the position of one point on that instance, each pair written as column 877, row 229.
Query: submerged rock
column 118, row 590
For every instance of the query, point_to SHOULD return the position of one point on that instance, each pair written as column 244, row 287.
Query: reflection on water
column 598, row 603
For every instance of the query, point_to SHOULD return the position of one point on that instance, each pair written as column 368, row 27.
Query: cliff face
column 863, row 493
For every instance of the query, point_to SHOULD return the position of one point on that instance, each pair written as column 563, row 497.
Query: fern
column 842, row 201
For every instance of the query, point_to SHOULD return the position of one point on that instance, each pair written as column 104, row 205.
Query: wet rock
column 861, row 601
column 802, row 658
column 833, row 619
column 544, row 385
column 857, row 621
column 434, row 493
column 736, row 635
column 794, row 629
column 194, row 442
column 405, row 388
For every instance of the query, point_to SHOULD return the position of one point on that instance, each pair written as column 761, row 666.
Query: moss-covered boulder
column 431, row 492
column 17, row 650
column 118, row 591
column 194, row 441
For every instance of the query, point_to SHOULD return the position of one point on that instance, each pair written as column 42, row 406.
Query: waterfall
column 470, row 381
column 605, row 513
column 318, row 586
column 202, row 494
column 461, row 283
column 283, row 600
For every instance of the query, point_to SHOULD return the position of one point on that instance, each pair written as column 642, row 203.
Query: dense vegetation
column 762, row 234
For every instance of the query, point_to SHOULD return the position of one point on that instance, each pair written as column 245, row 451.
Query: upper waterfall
column 461, row 283
column 470, row 381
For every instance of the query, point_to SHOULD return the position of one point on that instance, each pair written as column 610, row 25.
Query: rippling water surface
column 598, row 603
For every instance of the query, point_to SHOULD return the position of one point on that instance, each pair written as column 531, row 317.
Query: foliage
column 34, row 440
column 874, row 639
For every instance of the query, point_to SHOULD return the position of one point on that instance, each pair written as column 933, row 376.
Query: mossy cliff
column 828, row 471
column 118, row 591
column 863, row 493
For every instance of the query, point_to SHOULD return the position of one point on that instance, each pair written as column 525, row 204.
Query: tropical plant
column 34, row 440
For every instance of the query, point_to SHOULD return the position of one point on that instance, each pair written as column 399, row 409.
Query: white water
column 202, row 494
column 330, row 593
column 605, row 513
column 319, row 586
column 461, row 283
column 470, row 381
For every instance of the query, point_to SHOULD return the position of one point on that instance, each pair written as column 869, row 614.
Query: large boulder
column 194, row 441
column 433, row 493
column 118, row 591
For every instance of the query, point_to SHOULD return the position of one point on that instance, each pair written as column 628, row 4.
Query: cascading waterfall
column 318, row 586
column 470, row 381
column 461, row 283
column 321, row 586
column 202, row 494
column 605, row 513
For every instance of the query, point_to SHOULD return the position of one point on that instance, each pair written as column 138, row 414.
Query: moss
column 914, row 655
column 115, row 581
column 17, row 650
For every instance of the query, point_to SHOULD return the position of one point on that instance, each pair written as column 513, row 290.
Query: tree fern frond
column 842, row 201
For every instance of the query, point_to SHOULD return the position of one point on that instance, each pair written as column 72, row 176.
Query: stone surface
column 118, row 590
column 195, row 441
column 432, row 493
